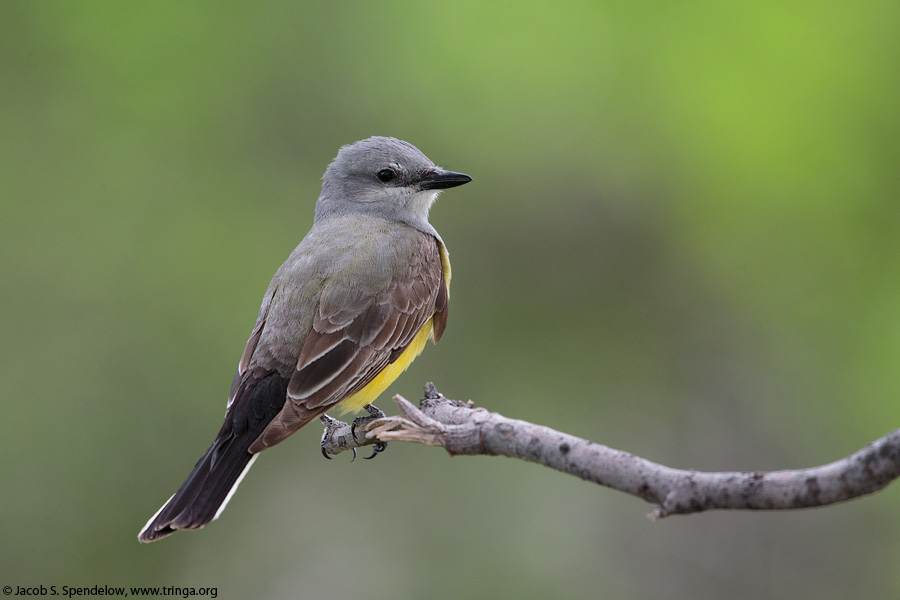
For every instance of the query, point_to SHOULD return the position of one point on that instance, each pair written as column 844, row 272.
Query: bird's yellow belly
column 386, row 377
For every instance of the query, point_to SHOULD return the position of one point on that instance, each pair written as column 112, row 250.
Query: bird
column 348, row 311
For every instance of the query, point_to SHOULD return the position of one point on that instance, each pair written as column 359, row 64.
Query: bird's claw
column 375, row 413
column 379, row 447
column 331, row 425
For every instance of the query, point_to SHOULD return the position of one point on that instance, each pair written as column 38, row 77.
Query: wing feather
column 241, row 377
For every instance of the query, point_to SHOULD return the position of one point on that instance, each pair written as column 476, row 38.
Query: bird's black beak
column 439, row 179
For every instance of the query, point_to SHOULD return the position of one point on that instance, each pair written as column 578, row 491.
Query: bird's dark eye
column 385, row 175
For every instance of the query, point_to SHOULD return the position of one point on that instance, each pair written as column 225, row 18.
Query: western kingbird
column 346, row 313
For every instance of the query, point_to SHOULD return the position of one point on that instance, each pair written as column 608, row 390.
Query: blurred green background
column 682, row 240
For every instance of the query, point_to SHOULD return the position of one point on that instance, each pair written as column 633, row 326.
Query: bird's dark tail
column 216, row 476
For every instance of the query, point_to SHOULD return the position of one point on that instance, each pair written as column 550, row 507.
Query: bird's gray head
column 384, row 177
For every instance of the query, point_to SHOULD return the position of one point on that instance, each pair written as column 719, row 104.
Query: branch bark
column 462, row 429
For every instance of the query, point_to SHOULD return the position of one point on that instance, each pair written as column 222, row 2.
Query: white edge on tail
column 221, row 507
column 235, row 486
column 156, row 514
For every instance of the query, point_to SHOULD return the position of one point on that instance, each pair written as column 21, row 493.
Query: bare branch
column 462, row 429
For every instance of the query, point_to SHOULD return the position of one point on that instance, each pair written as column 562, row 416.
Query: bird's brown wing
column 243, row 370
column 356, row 338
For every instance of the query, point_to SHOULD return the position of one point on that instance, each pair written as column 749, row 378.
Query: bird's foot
column 331, row 425
column 375, row 414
